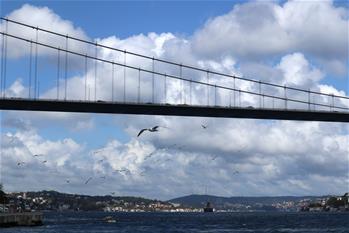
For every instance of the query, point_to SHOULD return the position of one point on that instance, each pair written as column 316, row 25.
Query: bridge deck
column 170, row 110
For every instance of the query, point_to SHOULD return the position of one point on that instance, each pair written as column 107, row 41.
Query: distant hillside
column 52, row 200
column 71, row 197
column 230, row 202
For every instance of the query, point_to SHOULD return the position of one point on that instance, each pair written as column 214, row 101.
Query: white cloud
column 70, row 121
column 260, row 30
column 44, row 18
column 301, row 153
column 17, row 89
column 289, row 158
column 297, row 71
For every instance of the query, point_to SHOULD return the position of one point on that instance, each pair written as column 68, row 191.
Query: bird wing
column 88, row 180
column 140, row 132
column 214, row 157
column 155, row 128
column 150, row 155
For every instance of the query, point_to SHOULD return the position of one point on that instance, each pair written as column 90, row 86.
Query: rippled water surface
column 190, row 222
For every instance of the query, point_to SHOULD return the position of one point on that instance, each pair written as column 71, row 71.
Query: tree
column 2, row 194
column 334, row 202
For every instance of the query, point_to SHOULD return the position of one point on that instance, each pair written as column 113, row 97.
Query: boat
column 208, row 208
column 109, row 219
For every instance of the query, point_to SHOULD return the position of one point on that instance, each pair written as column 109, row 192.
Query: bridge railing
column 62, row 66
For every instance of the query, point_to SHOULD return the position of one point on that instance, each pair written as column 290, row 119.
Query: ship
column 208, row 208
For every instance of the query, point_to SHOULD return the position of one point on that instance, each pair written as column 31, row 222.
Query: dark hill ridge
column 52, row 200
column 67, row 196
column 227, row 202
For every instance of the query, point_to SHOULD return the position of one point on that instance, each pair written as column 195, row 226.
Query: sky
column 296, row 43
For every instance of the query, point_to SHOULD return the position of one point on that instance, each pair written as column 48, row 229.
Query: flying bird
column 13, row 138
column 158, row 160
column 154, row 129
column 97, row 151
column 88, row 180
column 214, row 157
column 150, row 155
column 112, row 193
column 20, row 163
column 142, row 173
column 204, row 126
column 167, row 160
column 181, row 147
column 45, row 161
column 37, row 155
column 100, row 161
column 67, row 181
column 123, row 170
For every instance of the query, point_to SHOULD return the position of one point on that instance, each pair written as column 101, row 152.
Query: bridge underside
column 170, row 110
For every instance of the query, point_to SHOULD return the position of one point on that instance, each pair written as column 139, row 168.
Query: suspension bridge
column 60, row 72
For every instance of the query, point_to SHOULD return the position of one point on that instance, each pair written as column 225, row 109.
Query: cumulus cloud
column 220, row 158
column 41, row 17
column 289, row 158
column 260, row 30
column 297, row 71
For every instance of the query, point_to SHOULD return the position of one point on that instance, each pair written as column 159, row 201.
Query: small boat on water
column 109, row 219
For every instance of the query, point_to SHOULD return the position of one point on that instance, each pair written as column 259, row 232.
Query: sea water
column 92, row 222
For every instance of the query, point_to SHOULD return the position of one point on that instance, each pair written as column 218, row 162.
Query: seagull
column 97, row 151
column 150, row 155
column 88, row 180
column 204, row 126
column 214, row 157
column 12, row 138
column 126, row 170
column 171, row 146
column 123, row 170
column 154, row 129
column 158, row 160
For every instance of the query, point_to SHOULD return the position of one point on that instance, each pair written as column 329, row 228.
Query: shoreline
column 21, row 219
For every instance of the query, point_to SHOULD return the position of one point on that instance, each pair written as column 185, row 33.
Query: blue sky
column 127, row 18
column 206, row 32
column 124, row 19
